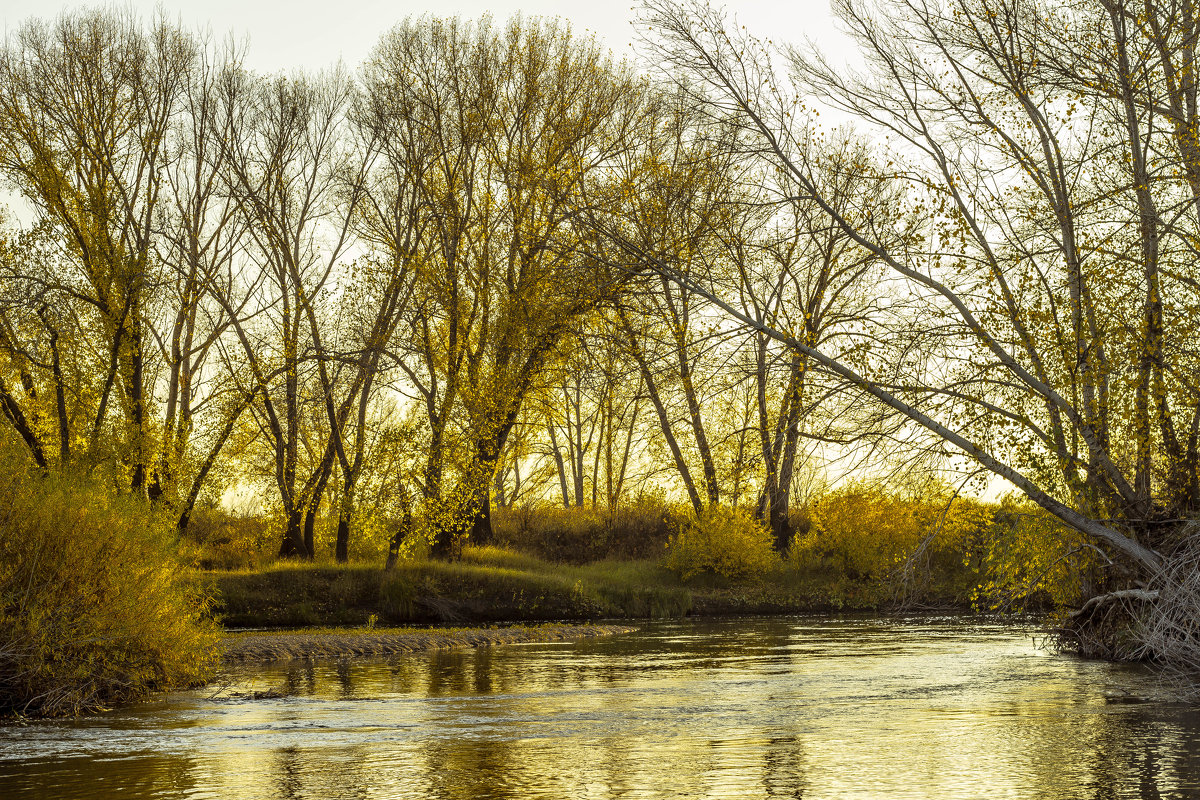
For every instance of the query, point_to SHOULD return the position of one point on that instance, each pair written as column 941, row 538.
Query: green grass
column 487, row 585
column 492, row 584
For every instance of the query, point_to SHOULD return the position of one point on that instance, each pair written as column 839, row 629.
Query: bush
column 573, row 535
column 220, row 539
column 580, row 535
column 1031, row 559
column 864, row 531
column 643, row 528
column 721, row 541
column 95, row 606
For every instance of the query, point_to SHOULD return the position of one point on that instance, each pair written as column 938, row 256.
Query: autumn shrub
column 95, row 606
column 865, row 531
column 560, row 534
column 721, row 541
column 217, row 538
column 578, row 535
column 642, row 528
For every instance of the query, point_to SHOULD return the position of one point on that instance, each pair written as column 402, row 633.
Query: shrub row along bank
column 919, row 545
column 858, row 548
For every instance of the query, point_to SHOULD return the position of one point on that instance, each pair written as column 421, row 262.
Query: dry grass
column 1167, row 630
column 95, row 607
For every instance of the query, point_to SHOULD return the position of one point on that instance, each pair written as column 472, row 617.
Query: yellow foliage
column 722, row 541
column 95, row 606
column 862, row 529
column 371, row 536
column 1028, row 552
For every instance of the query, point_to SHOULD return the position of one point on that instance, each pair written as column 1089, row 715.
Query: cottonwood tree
column 572, row 419
column 375, row 301
column 669, row 357
column 522, row 120
column 87, row 109
column 45, row 347
column 286, row 163
column 109, row 320
column 1044, row 148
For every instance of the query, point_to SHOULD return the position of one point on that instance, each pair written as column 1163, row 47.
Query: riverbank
column 282, row 645
column 491, row 585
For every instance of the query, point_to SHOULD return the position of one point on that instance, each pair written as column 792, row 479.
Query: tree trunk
column 781, row 498
column 198, row 482
column 398, row 539
column 481, row 526
column 559, row 465
column 310, row 521
column 664, row 421
column 341, row 552
column 315, row 493
column 293, row 535
column 679, row 329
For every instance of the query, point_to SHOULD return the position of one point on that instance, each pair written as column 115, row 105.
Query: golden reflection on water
column 809, row 708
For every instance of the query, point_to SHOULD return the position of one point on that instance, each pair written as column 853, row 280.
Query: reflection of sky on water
column 809, row 708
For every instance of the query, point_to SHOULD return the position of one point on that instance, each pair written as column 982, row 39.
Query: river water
column 808, row 707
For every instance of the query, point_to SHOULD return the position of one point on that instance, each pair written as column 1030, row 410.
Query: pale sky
column 313, row 34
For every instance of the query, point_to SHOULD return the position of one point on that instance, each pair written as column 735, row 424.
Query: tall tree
column 87, row 109
column 286, row 162
column 1047, row 305
column 523, row 120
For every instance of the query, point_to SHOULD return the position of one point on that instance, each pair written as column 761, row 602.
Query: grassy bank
column 492, row 584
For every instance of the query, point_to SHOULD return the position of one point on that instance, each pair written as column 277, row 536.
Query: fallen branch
column 1148, row 595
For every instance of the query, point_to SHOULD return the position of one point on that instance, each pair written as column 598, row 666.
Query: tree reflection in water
column 797, row 707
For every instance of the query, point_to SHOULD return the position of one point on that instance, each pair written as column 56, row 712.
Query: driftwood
column 1146, row 595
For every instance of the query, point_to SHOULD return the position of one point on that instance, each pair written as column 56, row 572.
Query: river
column 812, row 707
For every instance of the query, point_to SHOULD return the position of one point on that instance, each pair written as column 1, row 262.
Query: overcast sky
column 312, row 33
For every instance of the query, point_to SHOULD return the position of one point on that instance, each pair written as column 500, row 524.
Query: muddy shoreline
column 243, row 648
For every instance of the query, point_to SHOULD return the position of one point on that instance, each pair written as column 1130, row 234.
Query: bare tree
column 201, row 237
column 285, row 162
column 794, row 271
